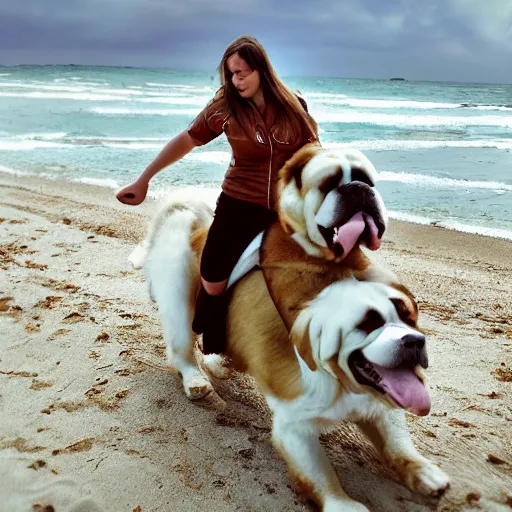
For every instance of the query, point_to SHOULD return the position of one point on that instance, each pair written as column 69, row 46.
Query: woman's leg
column 235, row 225
column 214, row 288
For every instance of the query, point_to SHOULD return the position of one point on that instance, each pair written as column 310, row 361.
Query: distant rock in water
column 397, row 79
column 485, row 106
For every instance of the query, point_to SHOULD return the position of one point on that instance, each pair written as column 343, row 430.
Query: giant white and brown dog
column 327, row 334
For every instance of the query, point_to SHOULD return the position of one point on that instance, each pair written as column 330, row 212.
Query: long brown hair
column 291, row 118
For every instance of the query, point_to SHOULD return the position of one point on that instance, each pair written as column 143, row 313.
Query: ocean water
column 443, row 150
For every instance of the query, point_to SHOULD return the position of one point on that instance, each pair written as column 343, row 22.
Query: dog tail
column 189, row 209
column 138, row 256
column 172, row 271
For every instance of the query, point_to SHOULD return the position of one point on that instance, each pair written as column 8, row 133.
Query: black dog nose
column 414, row 350
column 414, row 341
column 355, row 193
column 356, row 186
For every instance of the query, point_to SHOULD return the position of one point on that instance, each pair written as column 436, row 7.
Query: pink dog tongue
column 402, row 385
column 349, row 233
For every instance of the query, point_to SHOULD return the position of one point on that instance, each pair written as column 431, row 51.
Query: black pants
column 234, row 226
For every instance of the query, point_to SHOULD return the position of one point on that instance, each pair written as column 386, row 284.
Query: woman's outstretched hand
column 133, row 194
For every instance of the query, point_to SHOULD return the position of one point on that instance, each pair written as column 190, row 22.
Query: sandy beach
column 91, row 419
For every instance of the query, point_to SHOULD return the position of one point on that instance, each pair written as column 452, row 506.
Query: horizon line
column 184, row 70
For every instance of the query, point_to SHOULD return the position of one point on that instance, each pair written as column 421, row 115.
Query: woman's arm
column 173, row 151
column 179, row 146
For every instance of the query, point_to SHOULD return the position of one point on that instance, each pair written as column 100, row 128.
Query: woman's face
column 247, row 82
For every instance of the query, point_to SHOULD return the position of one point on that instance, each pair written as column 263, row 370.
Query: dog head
column 328, row 202
column 365, row 335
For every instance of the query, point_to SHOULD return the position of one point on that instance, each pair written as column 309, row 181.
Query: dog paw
column 426, row 478
column 343, row 505
column 197, row 387
column 217, row 366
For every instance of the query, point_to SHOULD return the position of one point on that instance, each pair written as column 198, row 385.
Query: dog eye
column 403, row 312
column 330, row 183
column 373, row 320
column 360, row 175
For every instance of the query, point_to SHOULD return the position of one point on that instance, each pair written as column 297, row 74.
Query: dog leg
column 392, row 439
column 309, row 466
column 180, row 339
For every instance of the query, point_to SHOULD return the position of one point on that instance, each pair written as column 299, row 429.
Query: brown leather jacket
column 257, row 153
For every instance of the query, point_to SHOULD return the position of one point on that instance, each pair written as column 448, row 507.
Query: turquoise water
column 443, row 150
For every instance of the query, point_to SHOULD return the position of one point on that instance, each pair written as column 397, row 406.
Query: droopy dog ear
column 406, row 307
column 300, row 336
column 291, row 207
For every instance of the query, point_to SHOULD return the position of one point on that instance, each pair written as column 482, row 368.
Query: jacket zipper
column 270, row 170
column 260, row 139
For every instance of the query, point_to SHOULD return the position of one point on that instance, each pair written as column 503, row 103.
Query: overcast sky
column 465, row 40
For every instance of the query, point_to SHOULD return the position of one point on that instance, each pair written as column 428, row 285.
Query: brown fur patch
column 302, row 342
column 407, row 309
column 258, row 342
column 294, row 278
column 198, row 240
column 292, row 170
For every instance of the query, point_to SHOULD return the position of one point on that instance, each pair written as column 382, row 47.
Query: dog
column 327, row 334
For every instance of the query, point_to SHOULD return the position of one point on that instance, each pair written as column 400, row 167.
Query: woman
column 265, row 124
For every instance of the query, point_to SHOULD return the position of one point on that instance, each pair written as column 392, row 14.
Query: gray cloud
column 439, row 39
